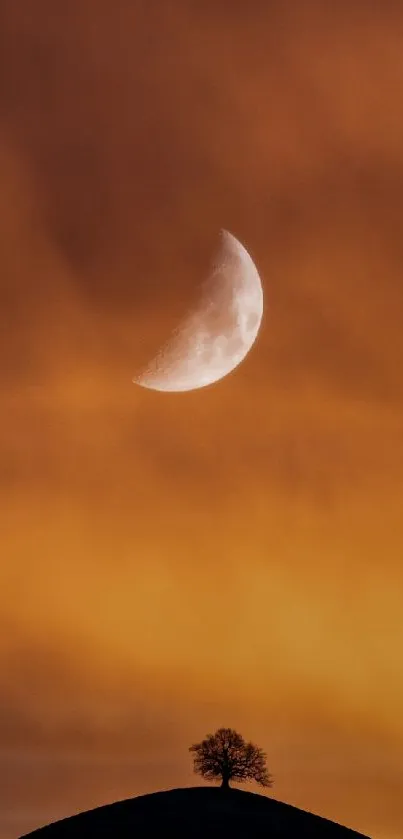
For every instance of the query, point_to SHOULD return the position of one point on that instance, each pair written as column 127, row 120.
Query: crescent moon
column 215, row 336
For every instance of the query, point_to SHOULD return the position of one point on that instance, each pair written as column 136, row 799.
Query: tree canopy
column 225, row 755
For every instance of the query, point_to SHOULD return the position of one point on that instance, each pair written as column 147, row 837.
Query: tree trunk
column 224, row 783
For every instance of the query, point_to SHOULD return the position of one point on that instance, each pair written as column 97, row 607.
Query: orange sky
column 231, row 556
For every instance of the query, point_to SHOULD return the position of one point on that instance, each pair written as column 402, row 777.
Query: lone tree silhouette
column 225, row 755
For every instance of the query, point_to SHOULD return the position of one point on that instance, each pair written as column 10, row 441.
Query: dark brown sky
column 171, row 563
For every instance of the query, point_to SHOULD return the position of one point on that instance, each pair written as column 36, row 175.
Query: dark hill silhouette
column 196, row 813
